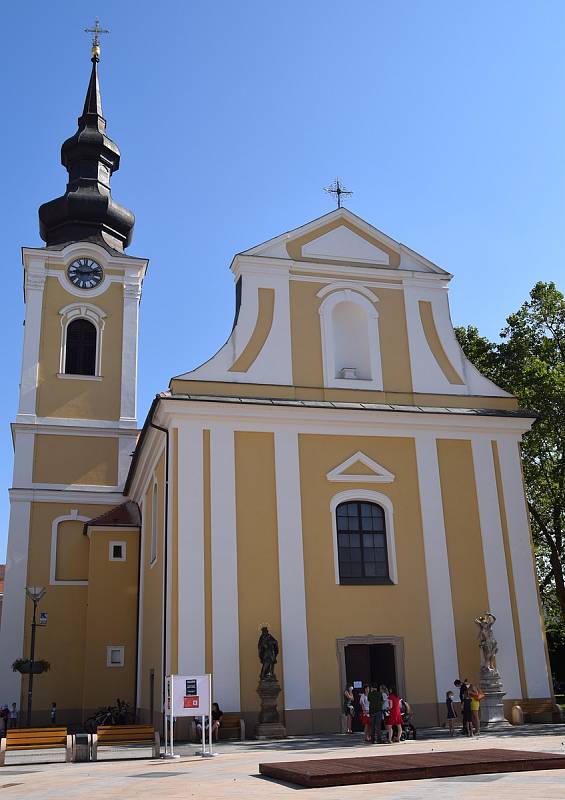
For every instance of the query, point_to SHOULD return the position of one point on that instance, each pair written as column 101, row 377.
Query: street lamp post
column 35, row 593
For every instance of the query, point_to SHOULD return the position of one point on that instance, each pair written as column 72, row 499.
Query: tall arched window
column 361, row 543
column 80, row 348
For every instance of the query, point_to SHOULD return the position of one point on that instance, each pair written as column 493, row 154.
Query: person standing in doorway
column 53, row 713
column 376, row 713
column 14, row 716
column 451, row 713
column 365, row 708
column 348, row 707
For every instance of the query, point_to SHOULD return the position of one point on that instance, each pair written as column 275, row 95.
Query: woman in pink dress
column 394, row 719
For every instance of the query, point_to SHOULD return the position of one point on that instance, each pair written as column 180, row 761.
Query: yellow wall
column 152, row 596
column 464, row 547
column 305, row 334
column 257, row 556
column 111, row 619
column 395, row 356
column 90, row 460
column 62, row 642
column 78, row 399
column 335, row 611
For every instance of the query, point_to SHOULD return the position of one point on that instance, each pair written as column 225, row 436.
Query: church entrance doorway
column 370, row 660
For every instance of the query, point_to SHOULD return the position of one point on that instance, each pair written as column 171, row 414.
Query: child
column 14, row 716
column 467, row 716
column 53, row 713
column 451, row 714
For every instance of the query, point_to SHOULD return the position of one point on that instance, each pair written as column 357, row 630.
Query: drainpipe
column 165, row 559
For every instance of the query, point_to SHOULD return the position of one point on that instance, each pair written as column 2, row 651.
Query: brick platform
column 408, row 767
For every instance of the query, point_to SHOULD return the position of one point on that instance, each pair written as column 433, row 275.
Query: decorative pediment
column 359, row 468
column 341, row 237
column 344, row 244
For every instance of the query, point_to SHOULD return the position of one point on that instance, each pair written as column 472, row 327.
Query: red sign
column 192, row 702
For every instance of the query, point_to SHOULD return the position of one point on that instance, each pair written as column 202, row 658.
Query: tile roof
column 126, row 515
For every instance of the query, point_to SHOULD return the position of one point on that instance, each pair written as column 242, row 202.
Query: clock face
column 85, row 273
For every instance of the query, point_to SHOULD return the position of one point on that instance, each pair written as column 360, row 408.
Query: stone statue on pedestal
column 269, row 726
column 492, row 707
column 268, row 648
column 487, row 642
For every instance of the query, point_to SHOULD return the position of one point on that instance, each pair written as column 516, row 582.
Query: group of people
column 470, row 697
column 382, row 713
column 9, row 717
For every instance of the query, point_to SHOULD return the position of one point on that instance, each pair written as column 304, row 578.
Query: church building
column 337, row 471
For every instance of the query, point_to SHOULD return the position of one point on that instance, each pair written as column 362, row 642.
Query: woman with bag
column 348, row 708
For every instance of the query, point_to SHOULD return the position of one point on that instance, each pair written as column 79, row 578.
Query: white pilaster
column 294, row 632
column 225, row 614
column 191, row 615
column 24, row 442
column 13, row 611
column 444, row 644
column 34, row 285
column 128, row 404
column 526, row 591
column 495, row 564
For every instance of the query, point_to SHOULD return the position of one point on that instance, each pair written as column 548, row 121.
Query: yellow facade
column 228, row 516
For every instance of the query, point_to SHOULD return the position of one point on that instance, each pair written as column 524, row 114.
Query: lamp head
column 35, row 593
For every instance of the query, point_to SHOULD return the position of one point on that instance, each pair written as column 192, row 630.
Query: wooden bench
column 540, row 711
column 232, row 727
column 35, row 739
column 124, row 735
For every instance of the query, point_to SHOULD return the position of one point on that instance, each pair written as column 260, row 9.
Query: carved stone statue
column 268, row 648
column 269, row 725
column 487, row 642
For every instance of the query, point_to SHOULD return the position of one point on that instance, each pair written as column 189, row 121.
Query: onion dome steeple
column 87, row 210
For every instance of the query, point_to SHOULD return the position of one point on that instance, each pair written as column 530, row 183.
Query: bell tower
column 76, row 425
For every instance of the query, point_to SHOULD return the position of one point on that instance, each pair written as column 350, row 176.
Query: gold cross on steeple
column 96, row 31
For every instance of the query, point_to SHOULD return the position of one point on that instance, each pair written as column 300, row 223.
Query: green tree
column 529, row 362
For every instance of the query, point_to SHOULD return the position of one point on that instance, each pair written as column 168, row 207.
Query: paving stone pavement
column 233, row 773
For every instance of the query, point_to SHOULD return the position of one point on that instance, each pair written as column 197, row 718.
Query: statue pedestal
column 492, row 707
column 270, row 725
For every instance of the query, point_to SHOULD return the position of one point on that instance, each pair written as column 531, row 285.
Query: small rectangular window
column 114, row 656
column 117, row 551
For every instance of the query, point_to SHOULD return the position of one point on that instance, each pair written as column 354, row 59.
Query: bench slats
column 20, row 738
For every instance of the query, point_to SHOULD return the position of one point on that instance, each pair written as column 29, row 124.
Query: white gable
column 342, row 243
column 368, row 471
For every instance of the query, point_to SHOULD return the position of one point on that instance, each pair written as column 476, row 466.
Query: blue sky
column 447, row 119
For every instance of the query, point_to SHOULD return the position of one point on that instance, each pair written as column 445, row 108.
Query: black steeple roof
column 87, row 210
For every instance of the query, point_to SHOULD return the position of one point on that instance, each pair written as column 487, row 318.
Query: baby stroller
column 408, row 728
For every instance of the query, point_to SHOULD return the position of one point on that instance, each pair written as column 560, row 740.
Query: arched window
column 80, row 348
column 361, row 543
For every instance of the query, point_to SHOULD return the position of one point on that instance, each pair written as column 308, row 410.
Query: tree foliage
column 529, row 362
